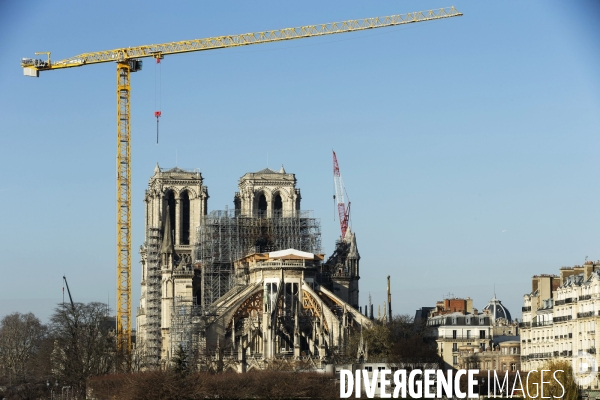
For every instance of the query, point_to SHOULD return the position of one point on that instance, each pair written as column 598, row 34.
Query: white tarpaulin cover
column 291, row 252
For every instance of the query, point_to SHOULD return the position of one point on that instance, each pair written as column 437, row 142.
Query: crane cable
column 157, row 84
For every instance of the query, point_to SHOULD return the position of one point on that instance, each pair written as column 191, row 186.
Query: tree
column 411, row 341
column 566, row 390
column 21, row 336
column 400, row 341
column 84, row 343
column 180, row 361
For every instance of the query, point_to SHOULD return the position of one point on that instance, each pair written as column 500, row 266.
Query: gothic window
column 277, row 203
column 185, row 218
column 171, row 210
column 262, row 204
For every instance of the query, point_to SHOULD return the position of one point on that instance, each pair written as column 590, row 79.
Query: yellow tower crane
column 128, row 60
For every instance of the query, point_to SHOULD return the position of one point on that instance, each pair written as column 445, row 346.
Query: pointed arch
column 169, row 209
column 184, row 226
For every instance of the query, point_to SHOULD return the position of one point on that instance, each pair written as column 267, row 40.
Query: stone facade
column 560, row 317
column 464, row 335
column 504, row 356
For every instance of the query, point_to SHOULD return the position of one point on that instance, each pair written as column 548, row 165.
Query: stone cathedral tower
column 267, row 193
column 175, row 202
column 180, row 195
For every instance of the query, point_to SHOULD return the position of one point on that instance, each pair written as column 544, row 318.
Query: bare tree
column 20, row 338
column 84, row 343
column 400, row 341
column 412, row 342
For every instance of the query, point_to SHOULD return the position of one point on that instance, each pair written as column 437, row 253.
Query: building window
column 468, row 334
column 454, row 334
column 262, row 205
column 454, row 346
column 170, row 197
column 277, row 203
column 455, row 360
column 481, row 334
column 185, row 218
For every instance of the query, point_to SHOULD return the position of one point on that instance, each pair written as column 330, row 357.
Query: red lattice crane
column 339, row 198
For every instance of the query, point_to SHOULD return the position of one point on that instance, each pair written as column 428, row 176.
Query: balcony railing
column 538, row 355
column 566, row 353
column 459, row 337
column 526, row 309
column 585, row 314
column 524, row 324
column 585, row 297
column 563, row 318
column 540, row 323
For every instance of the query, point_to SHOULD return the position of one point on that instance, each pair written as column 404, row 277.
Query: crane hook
column 157, row 114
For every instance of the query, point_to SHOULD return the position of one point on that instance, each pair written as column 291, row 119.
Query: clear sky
column 468, row 145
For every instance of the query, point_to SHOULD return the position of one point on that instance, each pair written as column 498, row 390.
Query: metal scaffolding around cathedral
column 225, row 236
column 241, row 286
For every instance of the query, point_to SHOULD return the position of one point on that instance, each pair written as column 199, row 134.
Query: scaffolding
column 225, row 236
column 184, row 328
column 153, row 297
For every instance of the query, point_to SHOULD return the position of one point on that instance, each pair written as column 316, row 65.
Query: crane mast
column 128, row 60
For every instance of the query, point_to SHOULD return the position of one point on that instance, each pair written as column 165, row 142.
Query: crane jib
column 220, row 42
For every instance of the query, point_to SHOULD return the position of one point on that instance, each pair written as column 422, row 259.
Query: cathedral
column 236, row 288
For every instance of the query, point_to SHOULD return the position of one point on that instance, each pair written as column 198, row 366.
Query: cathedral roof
column 268, row 171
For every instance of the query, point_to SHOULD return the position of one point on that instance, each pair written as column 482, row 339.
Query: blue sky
column 467, row 145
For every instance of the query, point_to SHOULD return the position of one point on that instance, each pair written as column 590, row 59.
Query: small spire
column 282, row 170
column 156, row 169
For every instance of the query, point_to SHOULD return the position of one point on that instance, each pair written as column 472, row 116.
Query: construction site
column 239, row 284
column 236, row 287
